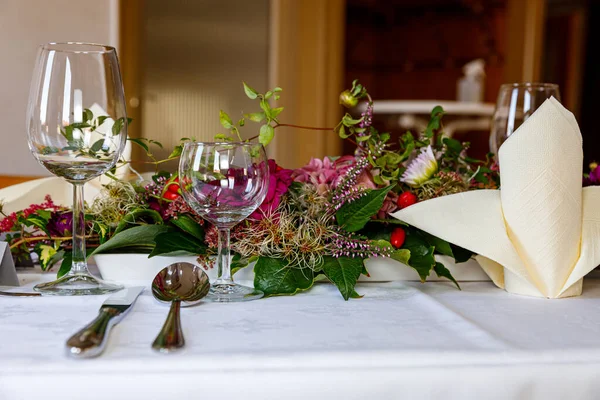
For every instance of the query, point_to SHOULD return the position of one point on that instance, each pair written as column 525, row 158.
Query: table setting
column 406, row 270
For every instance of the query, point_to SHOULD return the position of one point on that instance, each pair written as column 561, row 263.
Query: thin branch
column 40, row 238
column 305, row 127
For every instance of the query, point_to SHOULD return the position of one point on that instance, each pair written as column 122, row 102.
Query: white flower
column 421, row 168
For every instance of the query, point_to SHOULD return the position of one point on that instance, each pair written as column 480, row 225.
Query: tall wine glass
column 224, row 183
column 77, row 129
column 516, row 102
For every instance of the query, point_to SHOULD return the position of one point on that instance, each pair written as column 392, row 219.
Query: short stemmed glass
column 224, row 183
column 517, row 102
column 77, row 129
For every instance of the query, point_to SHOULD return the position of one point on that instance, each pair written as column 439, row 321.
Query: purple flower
column 593, row 179
column 279, row 181
column 61, row 223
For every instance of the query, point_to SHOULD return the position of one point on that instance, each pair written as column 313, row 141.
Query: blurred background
column 184, row 60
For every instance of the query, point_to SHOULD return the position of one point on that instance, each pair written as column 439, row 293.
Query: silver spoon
column 176, row 283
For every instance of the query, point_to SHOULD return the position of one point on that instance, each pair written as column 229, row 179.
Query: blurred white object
column 414, row 114
column 22, row 195
column 470, row 87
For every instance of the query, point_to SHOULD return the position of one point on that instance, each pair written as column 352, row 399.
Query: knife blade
column 90, row 341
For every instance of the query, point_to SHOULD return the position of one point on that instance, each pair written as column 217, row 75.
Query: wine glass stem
column 223, row 260
column 79, row 265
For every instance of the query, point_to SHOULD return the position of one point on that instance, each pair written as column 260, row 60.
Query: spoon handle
column 170, row 336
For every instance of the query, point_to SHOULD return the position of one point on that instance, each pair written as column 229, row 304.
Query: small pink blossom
column 325, row 175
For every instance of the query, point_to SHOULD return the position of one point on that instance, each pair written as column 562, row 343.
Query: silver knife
column 91, row 340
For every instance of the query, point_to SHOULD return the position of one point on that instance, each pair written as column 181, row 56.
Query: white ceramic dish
column 139, row 269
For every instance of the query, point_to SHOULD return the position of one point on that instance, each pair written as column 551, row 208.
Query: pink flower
column 390, row 204
column 365, row 180
column 279, row 181
column 324, row 174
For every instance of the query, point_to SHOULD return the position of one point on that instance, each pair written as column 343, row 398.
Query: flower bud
column 347, row 99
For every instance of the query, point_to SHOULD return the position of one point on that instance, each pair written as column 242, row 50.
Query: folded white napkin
column 540, row 234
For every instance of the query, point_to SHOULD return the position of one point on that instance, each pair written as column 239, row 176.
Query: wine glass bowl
column 224, row 183
column 77, row 129
column 517, row 102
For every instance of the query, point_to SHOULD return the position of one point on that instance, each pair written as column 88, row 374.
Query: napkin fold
column 540, row 234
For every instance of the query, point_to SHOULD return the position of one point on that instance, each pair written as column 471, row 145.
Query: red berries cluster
column 172, row 190
column 406, row 199
column 399, row 235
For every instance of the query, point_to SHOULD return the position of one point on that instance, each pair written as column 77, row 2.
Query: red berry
column 170, row 196
column 406, row 199
column 173, row 188
column 397, row 238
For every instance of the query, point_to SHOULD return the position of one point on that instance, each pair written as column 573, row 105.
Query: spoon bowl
column 176, row 283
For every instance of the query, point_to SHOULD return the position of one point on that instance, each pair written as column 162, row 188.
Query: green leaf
column 177, row 243
column 256, row 117
column 177, row 150
column 100, row 120
column 349, row 121
column 275, row 278
column 88, row 114
column 48, row 255
column 221, row 137
column 421, row 254
column 80, row 125
column 37, row 221
column 251, row 93
column 442, row 271
column 344, row 273
column 139, row 237
column 65, row 266
column 266, row 134
column 68, row 133
column 137, row 217
column 268, row 94
column 97, row 145
column 226, row 121
column 276, row 111
column 453, row 145
column 140, row 142
column 189, row 225
column 342, row 132
column 435, row 122
column 401, row 255
column 459, row 254
column 237, row 262
column 277, row 89
column 118, row 125
column 242, row 122
column 354, row 216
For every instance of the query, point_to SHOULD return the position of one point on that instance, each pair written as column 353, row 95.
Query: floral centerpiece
column 324, row 219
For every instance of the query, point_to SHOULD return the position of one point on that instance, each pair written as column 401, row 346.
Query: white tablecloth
column 402, row 340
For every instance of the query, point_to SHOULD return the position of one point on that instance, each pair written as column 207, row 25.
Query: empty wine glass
column 516, row 102
column 77, row 129
column 224, row 183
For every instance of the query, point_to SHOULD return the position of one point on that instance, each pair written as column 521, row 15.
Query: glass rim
column 197, row 143
column 530, row 85
column 79, row 47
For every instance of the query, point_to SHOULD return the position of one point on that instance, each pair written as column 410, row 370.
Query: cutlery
column 19, row 294
column 176, row 283
column 91, row 340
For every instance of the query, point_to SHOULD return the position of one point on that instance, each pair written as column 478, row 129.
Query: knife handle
column 91, row 340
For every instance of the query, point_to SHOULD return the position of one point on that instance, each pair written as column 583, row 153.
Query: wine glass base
column 232, row 293
column 76, row 285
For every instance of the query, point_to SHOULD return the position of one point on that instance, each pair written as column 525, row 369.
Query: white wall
column 197, row 53
column 24, row 25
